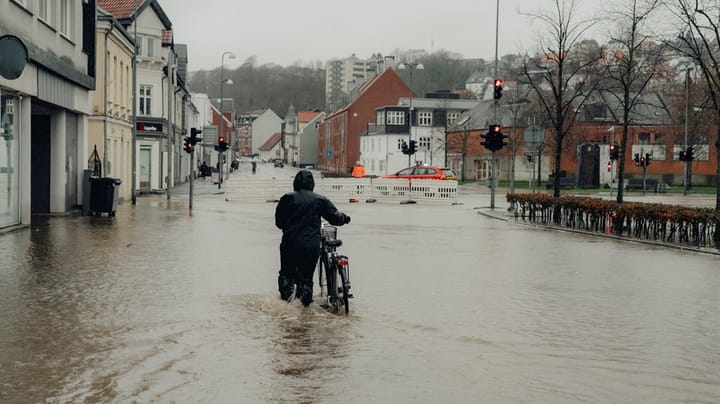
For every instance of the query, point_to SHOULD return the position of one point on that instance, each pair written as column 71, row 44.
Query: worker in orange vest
column 358, row 171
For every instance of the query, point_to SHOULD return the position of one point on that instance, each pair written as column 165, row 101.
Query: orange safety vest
column 358, row 171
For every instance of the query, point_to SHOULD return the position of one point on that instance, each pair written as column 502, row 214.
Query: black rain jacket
column 298, row 215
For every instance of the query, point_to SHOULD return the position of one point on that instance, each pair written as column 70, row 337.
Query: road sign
column 534, row 136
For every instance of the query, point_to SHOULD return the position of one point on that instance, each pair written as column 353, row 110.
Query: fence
column 343, row 189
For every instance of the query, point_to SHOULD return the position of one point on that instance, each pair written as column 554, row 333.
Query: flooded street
column 160, row 305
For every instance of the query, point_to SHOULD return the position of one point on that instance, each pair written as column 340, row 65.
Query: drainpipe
column 105, row 101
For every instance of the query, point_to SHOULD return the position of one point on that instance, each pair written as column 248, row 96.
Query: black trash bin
column 104, row 195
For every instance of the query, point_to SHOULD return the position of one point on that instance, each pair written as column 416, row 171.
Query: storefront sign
column 150, row 127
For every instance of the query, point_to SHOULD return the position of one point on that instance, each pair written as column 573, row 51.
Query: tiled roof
column 274, row 139
column 119, row 8
column 306, row 116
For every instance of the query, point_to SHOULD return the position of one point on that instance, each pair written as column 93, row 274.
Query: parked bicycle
column 333, row 271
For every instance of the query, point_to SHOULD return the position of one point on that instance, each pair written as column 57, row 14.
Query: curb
column 511, row 219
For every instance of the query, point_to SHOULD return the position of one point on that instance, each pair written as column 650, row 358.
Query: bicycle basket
column 328, row 232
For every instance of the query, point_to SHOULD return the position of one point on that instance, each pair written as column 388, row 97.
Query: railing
column 344, row 189
column 681, row 225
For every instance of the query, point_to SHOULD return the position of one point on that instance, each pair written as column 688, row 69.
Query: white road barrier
column 343, row 189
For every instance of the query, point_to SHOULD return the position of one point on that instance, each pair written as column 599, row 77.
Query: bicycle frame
column 335, row 268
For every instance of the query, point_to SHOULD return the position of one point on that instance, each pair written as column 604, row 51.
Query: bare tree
column 699, row 22
column 562, row 76
column 632, row 62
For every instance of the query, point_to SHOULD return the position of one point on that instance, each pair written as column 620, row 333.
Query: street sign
column 534, row 135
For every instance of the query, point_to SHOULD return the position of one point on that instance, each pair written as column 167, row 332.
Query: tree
column 699, row 22
column 562, row 77
column 632, row 61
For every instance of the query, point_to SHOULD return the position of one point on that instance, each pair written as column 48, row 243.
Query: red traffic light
column 497, row 93
column 495, row 128
column 221, row 139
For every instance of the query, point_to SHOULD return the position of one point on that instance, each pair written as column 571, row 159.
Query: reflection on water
column 157, row 305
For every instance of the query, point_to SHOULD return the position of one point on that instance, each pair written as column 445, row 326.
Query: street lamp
column 222, row 111
column 410, row 67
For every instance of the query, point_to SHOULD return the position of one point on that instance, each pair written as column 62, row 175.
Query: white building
column 381, row 146
column 45, row 84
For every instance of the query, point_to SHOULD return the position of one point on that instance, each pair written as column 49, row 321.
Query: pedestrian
column 254, row 166
column 203, row 170
column 298, row 215
column 358, row 171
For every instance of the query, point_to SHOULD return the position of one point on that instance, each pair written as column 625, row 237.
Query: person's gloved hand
column 347, row 219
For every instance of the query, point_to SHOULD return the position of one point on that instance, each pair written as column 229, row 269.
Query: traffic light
column 682, row 155
column 609, row 166
column 412, row 148
column 614, row 152
column 404, row 147
column 690, row 153
column 494, row 138
column 529, row 158
column 222, row 144
column 636, row 159
column 499, row 140
column 497, row 90
column 188, row 145
column 648, row 159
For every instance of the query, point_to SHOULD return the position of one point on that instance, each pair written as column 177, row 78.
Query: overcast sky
column 285, row 32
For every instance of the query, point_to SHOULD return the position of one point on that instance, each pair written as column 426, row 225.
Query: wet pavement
column 160, row 304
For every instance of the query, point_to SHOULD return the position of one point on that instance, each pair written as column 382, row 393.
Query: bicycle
column 335, row 267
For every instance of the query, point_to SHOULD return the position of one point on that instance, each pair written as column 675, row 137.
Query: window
column 400, row 143
column 396, row 118
column 64, row 23
column 452, row 118
column 43, row 11
column 380, row 118
column 425, row 118
column 150, row 47
column 145, row 99
column 643, row 138
column 424, row 142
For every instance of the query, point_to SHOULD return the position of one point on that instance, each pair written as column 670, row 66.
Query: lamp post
column 410, row 67
column 222, row 111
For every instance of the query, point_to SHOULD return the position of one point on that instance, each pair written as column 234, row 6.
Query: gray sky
column 285, row 32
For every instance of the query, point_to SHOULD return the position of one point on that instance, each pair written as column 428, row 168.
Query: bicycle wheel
column 343, row 287
column 332, row 287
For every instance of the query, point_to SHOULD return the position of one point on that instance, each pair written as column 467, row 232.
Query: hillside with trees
column 273, row 86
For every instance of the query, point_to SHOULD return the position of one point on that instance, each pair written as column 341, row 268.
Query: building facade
column 342, row 76
column 160, row 94
column 339, row 132
column 110, row 128
column 45, row 85
column 426, row 123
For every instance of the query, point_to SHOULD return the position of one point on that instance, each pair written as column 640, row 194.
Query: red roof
column 306, row 116
column 274, row 139
column 119, row 8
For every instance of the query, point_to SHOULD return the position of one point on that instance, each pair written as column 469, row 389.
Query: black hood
column 304, row 180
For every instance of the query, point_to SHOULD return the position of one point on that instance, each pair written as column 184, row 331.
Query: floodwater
column 159, row 305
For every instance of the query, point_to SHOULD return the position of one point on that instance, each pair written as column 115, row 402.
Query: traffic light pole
column 492, row 163
column 192, row 175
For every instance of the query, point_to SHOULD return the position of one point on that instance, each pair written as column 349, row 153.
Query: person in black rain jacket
column 298, row 215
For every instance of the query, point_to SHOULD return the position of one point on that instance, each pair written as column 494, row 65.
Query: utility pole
column 493, row 180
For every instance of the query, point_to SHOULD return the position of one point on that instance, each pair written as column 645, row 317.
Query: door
column 145, row 168
column 40, row 164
